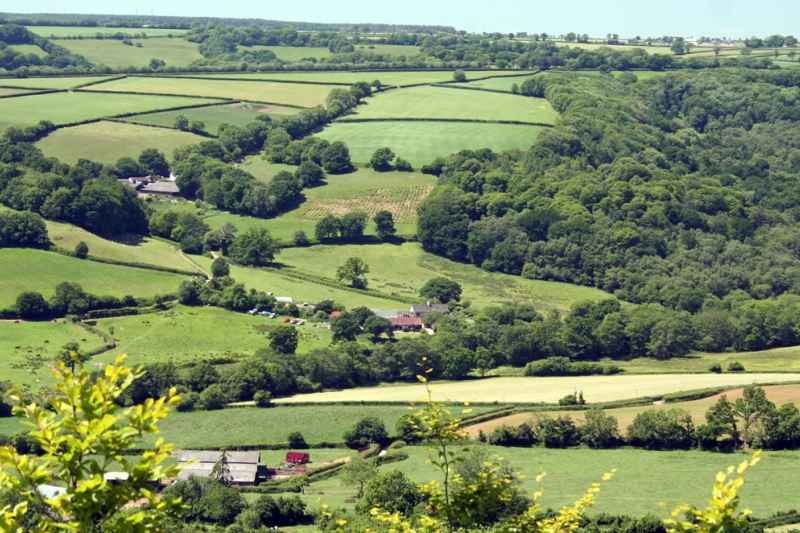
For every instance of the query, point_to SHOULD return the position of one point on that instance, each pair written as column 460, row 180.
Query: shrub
column 659, row 429
column 297, row 441
column 263, row 398
column 715, row 368
column 189, row 401
column 212, row 398
column 366, row 431
column 572, row 399
column 735, row 366
column 81, row 250
column 300, row 238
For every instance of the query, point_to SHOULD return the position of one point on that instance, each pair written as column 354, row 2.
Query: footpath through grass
column 36, row 270
column 107, row 141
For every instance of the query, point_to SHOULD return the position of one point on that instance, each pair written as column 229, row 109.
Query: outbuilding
column 297, row 458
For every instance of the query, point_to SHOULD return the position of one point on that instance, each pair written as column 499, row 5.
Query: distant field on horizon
column 447, row 103
column 36, row 270
column 92, row 31
column 303, row 95
column 58, row 82
column 290, row 53
column 550, row 390
column 107, row 141
column 420, row 142
column 70, row 107
column 213, row 117
column 400, row 78
column 113, row 53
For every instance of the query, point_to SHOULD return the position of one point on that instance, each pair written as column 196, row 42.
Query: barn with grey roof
column 246, row 468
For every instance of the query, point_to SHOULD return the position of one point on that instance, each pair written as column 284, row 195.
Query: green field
column 66, row 108
column 394, row 49
column 400, row 78
column 129, row 247
column 783, row 359
column 503, row 83
column 34, row 339
column 193, row 333
column 213, row 117
column 406, row 268
column 643, row 479
column 302, row 95
column 446, row 103
column 29, row 49
column 421, row 142
column 262, row 169
column 13, row 92
column 106, row 142
column 290, row 53
column 112, row 53
column 77, row 31
column 36, row 270
column 550, row 390
column 61, row 82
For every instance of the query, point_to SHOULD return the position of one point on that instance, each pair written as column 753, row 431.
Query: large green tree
column 254, row 247
column 354, row 272
column 442, row 289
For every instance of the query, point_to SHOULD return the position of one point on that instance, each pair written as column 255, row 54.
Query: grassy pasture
column 129, row 247
column 76, row 31
column 620, row 47
column 393, row 49
column 421, row 142
column 522, row 389
column 778, row 394
column 262, row 169
column 194, row 333
column 281, row 93
column 11, row 92
column 679, row 476
column 69, row 107
column 107, row 141
column 61, row 82
column 290, row 53
column 404, row 269
column 300, row 290
column 400, row 78
column 31, row 337
column 445, row 103
column 114, row 54
column 213, row 117
column 29, row 49
column 502, row 83
column 36, row 270
column 785, row 359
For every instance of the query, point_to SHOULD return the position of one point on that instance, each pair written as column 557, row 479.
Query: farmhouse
column 162, row 188
column 406, row 323
column 422, row 309
column 246, row 467
column 386, row 314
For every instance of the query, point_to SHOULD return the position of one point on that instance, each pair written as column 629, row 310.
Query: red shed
column 297, row 458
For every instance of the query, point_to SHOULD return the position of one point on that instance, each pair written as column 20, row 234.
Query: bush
column 572, row 399
column 297, row 441
column 188, row 403
column 659, row 429
column 736, row 366
column 81, row 250
column 300, row 238
column 715, row 368
column 212, row 398
column 263, row 398
column 366, row 431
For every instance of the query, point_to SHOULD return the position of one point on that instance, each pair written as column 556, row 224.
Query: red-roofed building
column 406, row 323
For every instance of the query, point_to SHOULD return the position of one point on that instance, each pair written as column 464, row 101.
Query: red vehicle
column 287, row 319
column 297, row 458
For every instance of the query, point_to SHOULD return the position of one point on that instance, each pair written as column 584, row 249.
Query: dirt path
column 195, row 265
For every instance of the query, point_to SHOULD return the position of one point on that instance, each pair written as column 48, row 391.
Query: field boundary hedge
column 443, row 86
column 159, row 126
column 147, row 266
column 32, row 92
column 98, row 82
column 222, row 100
column 209, row 78
column 468, row 120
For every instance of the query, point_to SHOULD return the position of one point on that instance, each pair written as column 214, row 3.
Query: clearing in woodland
column 238, row 114
column 448, row 103
column 113, row 53
column 37, row 270
column 406, row 268
column 107, row 141
column 296, row 94
column 71, row 107
column 420, row 142
column 549, row 390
